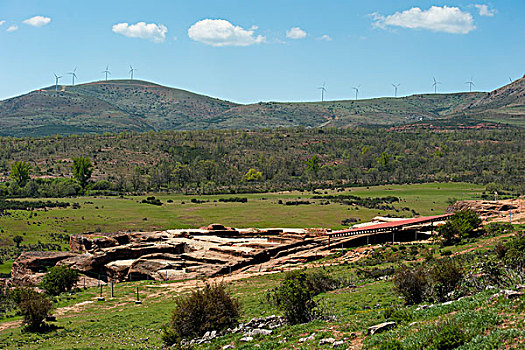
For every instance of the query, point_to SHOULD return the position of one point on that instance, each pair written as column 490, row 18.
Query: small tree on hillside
column 18, row 240
column 59, row 279
column 252, row 175
column 20, row 172
column 82, row 170
column 294, row 298
column 33, row 306
column 461, row 225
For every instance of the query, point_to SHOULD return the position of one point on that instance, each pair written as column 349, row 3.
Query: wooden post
column 111, row 289
column 138, row 299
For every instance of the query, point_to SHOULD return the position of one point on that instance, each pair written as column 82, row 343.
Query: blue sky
column 251, row 50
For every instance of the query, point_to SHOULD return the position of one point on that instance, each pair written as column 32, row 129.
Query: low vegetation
column 59, row 279
column 209, row 309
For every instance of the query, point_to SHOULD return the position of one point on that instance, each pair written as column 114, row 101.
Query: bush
column 103, row 185
column 497, row 228
column 319, row 281
column 294, row 298
column 152, row 200
column 398, row 315
column 411, row 284
column 449, row 336
column 211, row 308
column 34, row 307
column 59, row 279
column 459, row 226
column 515, row 248
column 444, row 276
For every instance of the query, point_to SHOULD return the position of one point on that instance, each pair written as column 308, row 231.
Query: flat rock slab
column 382, row 327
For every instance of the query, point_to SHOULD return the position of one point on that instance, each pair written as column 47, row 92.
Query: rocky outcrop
column 492, row 210
column 167, row 255
column 30, row 267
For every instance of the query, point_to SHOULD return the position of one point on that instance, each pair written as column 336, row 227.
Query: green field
column 111, row 214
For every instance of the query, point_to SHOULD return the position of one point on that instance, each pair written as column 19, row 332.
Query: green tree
column 313, row 165
column 59, row 279
column 33, row 306
column 294, row 298
column 460, row 225
column 252, row 175
column 18, row 240
column 82, row 170
column 20, row 172
column 384, row 159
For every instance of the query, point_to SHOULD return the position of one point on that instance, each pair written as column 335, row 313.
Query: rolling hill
column 134, row 105
column 503, row 105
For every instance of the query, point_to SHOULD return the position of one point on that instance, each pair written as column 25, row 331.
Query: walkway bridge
column 387, row 226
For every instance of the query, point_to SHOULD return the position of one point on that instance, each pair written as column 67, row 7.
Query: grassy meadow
column 111, row 214
column 117, row 323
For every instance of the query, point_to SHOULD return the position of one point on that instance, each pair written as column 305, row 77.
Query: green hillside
column 134, row 105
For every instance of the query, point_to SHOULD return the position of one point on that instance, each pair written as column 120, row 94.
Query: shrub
column 294, row 298
column 514, row 255
column 319, row 281
column 449, row 336
column 444, row 276
column 59, row 279
column 411, row 284
column 500, row 250
column 497, row 228
column 103, row 185
column 459, row 226
column 152, row 200
column 34, row 307
column 398, row 315
column 211, row 308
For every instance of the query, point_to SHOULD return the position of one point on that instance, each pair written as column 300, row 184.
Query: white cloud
column 439, row 19
column 2, row 22
column 142, row 30
column 219, row 32
column 37, row 21
column 485, row 11
column 12, row 28
column 325, row 37
column 295, row 33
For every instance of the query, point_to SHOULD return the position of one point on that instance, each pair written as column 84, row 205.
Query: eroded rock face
column 30, row 267
column 164, row 255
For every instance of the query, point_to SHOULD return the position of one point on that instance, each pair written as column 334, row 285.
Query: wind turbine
column 395, row 89
column 470, row 83
column 131, row 70
column 56, row 81
column 73, row 75
column 107, row 72
column 356, row 91
column 510, row 79
column 435, row 84
column 323, row 90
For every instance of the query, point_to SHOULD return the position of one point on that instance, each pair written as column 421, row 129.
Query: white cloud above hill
column 220, row 32
column 438, row 19
column 142, row 30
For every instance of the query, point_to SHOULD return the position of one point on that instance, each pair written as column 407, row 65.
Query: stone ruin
column 172, row 254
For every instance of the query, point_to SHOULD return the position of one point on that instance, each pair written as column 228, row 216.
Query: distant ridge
column 136, row 105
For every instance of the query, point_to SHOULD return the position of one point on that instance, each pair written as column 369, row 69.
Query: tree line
column 234, row 161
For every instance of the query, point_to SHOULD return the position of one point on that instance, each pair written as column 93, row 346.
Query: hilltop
column 504, row 104
column 134, row 105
